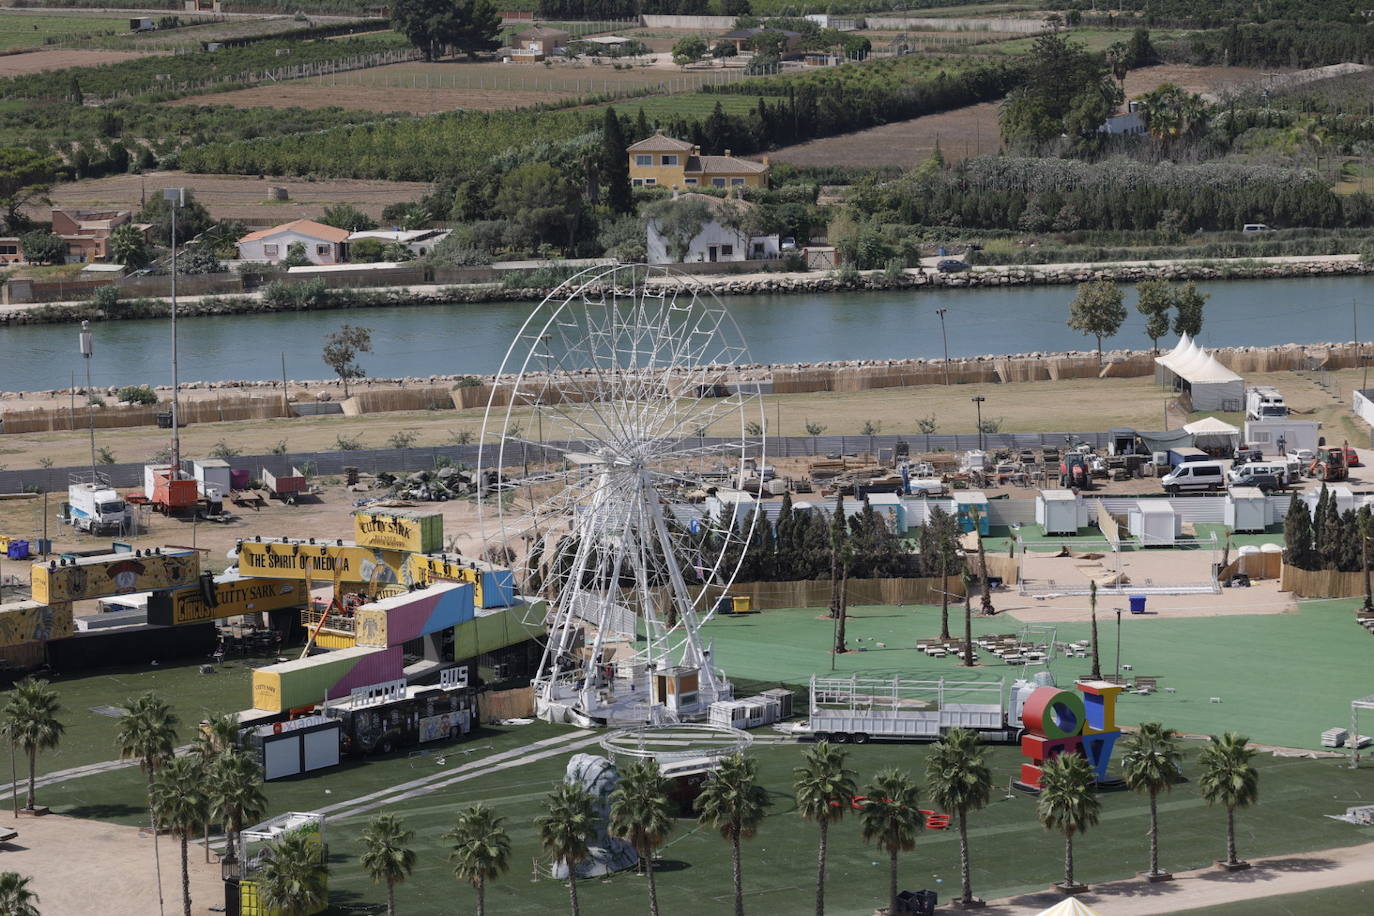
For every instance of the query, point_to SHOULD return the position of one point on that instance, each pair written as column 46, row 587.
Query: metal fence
column 395, row 460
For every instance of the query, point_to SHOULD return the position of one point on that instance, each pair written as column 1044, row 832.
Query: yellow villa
column 677, row 164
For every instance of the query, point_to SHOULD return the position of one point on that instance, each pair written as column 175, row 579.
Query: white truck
column 1263, row 402
column 863, row 709
column 96, row 507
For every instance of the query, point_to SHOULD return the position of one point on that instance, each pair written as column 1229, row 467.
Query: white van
column 1241, row 474
column 1195, row 475
column 1255, row 227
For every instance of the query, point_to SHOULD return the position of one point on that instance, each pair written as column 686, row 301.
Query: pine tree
column 615, row 164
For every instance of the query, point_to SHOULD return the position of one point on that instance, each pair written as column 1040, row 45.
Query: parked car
column 1268, row 483
column 951, row 266
column 1352, row 457
column 1303, row 455
column 1255, row 227
column 1241, row 474
column 788, row 244
column 1247, row 453
column 1195, row 475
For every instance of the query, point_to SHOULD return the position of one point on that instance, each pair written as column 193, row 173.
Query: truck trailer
column 863, row 709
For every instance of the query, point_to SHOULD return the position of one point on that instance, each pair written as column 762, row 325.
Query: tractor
column 1075, row 472
column 1329, row 465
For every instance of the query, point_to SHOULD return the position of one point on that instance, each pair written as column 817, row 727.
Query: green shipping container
column 498, row 628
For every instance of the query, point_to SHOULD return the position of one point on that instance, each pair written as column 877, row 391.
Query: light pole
column 1118, row 645
column 175, row 197
column 978, row 400
column 944, row 339
column 87, row 350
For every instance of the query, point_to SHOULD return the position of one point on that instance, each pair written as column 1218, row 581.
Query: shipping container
column 131, row 646
column 233, row 595
column 395, row 621
column 490, row 630
column 308, row 681
column 402, row 717
column 108, row 574
column 414, row 530
column 32, row 621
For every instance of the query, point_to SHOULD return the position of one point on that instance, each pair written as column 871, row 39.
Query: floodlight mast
column 87, row 351
column 175, row 197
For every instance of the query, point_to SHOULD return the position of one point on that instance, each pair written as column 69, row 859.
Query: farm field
column 61, row 59
column 19, row 29
column 425, row 88
column 973, row 130
column 239, row 197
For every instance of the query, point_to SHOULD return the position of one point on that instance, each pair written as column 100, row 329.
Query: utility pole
column 945, row 340
column 1118, row 644
column 978, row 403
column 87, row 349
column 175, row 197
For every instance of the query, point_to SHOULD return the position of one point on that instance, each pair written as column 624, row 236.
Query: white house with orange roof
column 323, row 244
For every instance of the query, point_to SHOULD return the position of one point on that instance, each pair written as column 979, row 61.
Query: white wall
column 713, row 233
column 256, row 249
column 1364, row 407
column 1296, row 434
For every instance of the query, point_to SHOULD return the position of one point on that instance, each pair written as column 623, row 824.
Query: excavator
column 1329, row 465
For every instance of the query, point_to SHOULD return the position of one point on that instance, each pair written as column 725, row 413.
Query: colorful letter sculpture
column 1060, row 721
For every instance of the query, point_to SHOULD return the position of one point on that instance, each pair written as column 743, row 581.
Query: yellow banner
column 426, row 570
column 239, row 596
column 113, row 574
column 28, row 621
column 322, row 561
column 392, row 530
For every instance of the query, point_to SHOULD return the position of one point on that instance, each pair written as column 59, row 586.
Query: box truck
column 96, row 507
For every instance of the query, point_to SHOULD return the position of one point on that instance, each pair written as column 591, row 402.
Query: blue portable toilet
column 966, row 504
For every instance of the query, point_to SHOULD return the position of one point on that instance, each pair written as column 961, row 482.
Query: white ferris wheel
column 619, row 429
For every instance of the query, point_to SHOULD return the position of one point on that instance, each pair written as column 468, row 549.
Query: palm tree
column 940, row 549
column 149, row 733
column 959, row 781
column 825, row 790
column 235, row 784
column 642, row 814
column 1229, row 779
column 294, row 877
column 217, row 735
column 1150, row 764
column 892, row 818
column 566, row 829
column 481, row 850
column 1068, row 802
column 15, row 897
column 181, row 803
column 387, row 855
column 733, row 803
column 30, row 720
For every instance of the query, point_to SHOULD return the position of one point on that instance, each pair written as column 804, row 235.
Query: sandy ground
column 238, row 197
column 973, row 130
column 104, row 862
column 1204, row 887
column 38, row 61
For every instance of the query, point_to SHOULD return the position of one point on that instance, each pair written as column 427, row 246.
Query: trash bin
column 742, row 605
column 722, row 605
column 164, row 420
column 18, row 550
column 1137, row 604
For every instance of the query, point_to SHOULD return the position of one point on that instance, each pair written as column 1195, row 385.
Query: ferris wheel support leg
column 692, row 654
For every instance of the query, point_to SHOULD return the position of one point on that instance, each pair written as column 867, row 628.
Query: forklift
column 1329, row 465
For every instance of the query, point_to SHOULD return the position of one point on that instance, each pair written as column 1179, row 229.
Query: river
column 472, row 339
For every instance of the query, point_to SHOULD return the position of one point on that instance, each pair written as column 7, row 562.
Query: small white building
column 716, row 241
column 418, row 242
column 323, row 244
column 1056, row 511
column 1155, row 523
column 1282, row 434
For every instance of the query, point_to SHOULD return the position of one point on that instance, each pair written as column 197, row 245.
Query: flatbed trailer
column 863, row 709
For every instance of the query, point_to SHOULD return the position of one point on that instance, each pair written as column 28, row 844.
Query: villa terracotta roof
column 660, row 143
column 303, row 226
column 727, row 164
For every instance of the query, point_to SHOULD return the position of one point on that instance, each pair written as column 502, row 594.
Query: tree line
column 1327, row 538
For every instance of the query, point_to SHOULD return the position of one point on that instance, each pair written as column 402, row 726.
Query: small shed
column 539, row 42
column 212, row 473
column 1056, row 511
column 1247, row 509
column 1121, row 441
column 888, row 506
column 1154, row 523
column 967, row 504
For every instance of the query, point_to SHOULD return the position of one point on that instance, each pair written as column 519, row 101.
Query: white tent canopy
column 1069, row 906
column 1190, row 368
column 1211, row 433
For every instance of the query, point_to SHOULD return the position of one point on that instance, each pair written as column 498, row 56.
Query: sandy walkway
column 1201, row 888
column 70, row 859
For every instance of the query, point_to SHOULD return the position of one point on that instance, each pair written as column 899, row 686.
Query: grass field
column 1349, row 898
column 32, row 30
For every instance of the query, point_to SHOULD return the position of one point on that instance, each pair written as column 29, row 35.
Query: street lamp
column 978, row 403
column 175, row 198
column 1118, row 645
column 87, row 350
column 941, row 313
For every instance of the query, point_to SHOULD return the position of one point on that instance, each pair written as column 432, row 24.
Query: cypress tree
column 615, row 164
column 1297, row 534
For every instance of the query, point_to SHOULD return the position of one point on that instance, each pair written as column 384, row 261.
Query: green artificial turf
column 1282, row 678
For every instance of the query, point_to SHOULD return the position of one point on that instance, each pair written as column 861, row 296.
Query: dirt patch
column 377, row 98
column 70, row 859
column 239, row 197
column 38, row 61
column 973, row 130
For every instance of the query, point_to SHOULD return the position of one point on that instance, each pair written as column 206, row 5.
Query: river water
column 472, row 339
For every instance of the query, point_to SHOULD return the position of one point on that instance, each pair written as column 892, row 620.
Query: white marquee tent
column 1211, row 434
column 1190, row 368
column 1069, row 906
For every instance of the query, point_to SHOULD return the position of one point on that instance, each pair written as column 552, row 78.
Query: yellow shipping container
column 412, row 530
